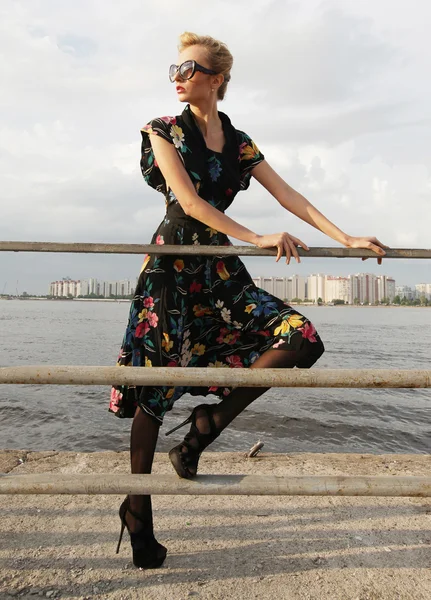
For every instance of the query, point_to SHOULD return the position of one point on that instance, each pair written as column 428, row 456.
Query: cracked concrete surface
column 11, row 459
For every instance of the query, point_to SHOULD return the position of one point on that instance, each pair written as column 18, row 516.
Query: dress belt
column 174, row 210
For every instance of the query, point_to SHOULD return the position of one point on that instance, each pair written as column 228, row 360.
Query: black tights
column 143, row 440
column 145, row 428
column 231, row 406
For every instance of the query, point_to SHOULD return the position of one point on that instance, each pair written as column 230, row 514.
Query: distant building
column 404, row 291
column 88, row 287
column 385, row 288
column 109, row 288
column 337, row 288
column 94, row 287
column 82, row 288
column 423, row 290
column 125, row 287
column 316, row 287
column 296, row 287
column 64, row 288
column 283, row 287
column 257, row 281
column 364, row 288
column 280, row 287
column 268, row 284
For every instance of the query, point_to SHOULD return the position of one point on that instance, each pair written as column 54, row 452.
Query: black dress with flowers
column 199, row 311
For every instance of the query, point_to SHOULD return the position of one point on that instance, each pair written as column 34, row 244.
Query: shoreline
column 307, row 304
column 242, row 547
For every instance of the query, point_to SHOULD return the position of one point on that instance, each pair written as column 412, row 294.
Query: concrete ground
column 236, row 547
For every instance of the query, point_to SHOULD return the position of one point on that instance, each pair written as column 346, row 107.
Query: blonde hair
column 219, row 57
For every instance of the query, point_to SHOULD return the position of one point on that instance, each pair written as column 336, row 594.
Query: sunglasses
column 188, row 69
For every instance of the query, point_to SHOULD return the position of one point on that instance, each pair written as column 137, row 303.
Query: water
column 50, row 417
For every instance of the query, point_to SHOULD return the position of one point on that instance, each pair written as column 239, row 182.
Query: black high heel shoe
column 147, row 552
column 185, row 462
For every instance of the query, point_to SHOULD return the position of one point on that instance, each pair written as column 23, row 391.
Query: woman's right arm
column 180, row 183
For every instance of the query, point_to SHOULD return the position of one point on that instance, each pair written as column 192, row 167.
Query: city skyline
column 357, row 288
column 17, row 287
column 363, row 288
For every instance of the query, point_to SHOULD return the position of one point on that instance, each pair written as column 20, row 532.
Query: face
column 199, row 87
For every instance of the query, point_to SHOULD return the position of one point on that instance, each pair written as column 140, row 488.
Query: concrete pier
column 239, row 547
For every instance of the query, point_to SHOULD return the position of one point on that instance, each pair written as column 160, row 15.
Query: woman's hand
column 285, row 244
column 369, row 243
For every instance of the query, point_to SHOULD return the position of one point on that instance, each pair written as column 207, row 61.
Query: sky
column 336, row 94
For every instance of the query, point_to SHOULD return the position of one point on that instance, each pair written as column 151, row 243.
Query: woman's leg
column 231, row 406
column 143, row 440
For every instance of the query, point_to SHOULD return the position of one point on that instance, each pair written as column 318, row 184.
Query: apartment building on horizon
column 423, row 289
column 66, row 287
column 283, row 287
column 363, row 288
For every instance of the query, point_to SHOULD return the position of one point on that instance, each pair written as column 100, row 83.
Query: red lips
column 179, row 88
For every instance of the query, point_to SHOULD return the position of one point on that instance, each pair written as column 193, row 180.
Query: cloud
column 333, row 92
column 327, row 57
column 77, row 45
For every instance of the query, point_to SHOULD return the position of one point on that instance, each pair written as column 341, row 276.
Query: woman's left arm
column 295, row 203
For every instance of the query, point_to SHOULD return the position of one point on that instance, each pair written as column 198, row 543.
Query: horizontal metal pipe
column 215, row 485
column 314, row 252
column 192, row 376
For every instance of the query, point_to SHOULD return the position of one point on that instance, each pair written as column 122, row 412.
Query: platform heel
column 147, row 552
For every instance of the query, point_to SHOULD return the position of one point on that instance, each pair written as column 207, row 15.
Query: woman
column 205, row 310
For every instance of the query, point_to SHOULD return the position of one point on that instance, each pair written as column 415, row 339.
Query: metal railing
column 215, row 485
column 106, row 483
column 204, row 376
column 314, row 252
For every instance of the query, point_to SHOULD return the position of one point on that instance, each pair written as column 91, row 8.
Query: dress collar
column 231, row 143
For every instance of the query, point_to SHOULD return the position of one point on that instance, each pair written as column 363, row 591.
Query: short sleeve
column 249, row 157
column 161, row 126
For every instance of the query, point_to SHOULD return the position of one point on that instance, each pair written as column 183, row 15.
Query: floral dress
column 199, row 311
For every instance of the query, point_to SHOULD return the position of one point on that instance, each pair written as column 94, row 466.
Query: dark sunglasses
column 188, row 69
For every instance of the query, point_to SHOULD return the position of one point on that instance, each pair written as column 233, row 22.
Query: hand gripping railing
column 101, row 483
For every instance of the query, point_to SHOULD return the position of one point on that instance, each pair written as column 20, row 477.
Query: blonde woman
column 200, row 311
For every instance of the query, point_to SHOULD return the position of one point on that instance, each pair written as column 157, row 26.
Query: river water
column 48, row 417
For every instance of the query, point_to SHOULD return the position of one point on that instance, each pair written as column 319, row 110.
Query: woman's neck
column 207, row 118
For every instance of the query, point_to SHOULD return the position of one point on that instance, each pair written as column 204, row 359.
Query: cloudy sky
column 336, row 94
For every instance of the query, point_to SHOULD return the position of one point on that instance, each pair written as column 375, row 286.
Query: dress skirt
column 199, row 311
